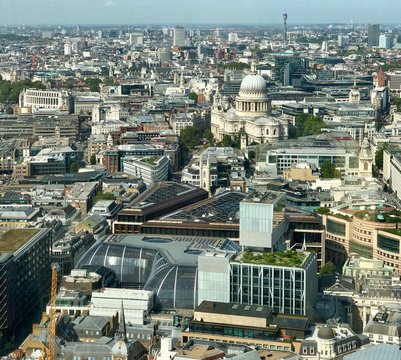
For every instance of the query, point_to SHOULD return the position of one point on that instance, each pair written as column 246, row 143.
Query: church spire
column 122, row 333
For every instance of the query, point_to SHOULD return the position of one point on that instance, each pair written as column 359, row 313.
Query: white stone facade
column 252, row 114
column 45, row 99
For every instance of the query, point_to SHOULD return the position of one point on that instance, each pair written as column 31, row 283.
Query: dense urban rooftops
column 12, row 239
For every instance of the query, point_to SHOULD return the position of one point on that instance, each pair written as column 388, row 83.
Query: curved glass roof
column 167, row 266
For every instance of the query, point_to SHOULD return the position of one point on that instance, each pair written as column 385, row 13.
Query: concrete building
column 394, row 81
column 158, row 200
column 25, row 259
column 151, row 169
column 302, row 172
column 391, row 352
column 331, row 341
column 245, row 324
column 107, row 208
column 136, row 39
column 88, row 279
column 179, row 37
column 262, row 220
column 385, row 326
column 68, row 251
column 373, row 35
column 214, row 167
column 112, row 348
column 36, row 100
column 386, row 41
column 82, row 195
column 137, row 303
column 340, row 149
column 293, row 290
column 370, row 233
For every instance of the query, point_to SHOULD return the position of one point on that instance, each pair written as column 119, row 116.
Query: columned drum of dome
column 252, row 99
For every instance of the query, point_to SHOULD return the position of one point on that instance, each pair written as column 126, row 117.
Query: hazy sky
column 200, row 11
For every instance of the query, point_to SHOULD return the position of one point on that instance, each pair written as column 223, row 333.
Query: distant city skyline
column 21, row 12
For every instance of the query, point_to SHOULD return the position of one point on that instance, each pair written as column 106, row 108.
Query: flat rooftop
column 161, row 193
column 177, row 250
column 12, row 239
column 234, row 309
column 269, row 197
column 278, row 258
column 221, row 208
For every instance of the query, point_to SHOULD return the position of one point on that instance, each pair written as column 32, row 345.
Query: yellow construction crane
column 51, row 351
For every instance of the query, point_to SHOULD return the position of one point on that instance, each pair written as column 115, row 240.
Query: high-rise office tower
column 373, row 35
column 179, row 36
column 285, row 16
column 386, row 41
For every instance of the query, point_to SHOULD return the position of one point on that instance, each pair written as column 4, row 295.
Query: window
column 388, row 244
column 335, row 227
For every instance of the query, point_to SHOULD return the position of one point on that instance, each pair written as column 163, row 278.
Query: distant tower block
column 285, row 16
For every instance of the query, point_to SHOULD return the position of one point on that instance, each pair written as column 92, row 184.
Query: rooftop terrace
column 12, row 239
column 278, row 258
column 392, row 216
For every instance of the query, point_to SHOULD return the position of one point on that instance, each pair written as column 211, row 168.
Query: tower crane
column 50, row 352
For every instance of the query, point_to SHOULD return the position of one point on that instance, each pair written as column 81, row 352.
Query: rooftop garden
column 13, row 239
column 393, row 231
column 392, row 216
column 151, row 160
column 280, row 258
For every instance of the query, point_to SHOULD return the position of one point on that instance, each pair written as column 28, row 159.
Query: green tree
column 328, row 170
column 306, row 124
column 93, row 83
column 397, row 102
column 93, row 159
column 328, row 269
column 207, row 134
column 9, row 92
column 74, row 167
column 379, row 156
column 323, row 211
column 193, row 96
column 190, row 137
column 235, row 66
column 109, row 81
column 226, row 142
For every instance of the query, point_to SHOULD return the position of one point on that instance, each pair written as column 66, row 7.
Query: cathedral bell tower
column 365, row 159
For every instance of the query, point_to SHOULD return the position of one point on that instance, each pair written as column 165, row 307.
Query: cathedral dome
column 253, row 83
